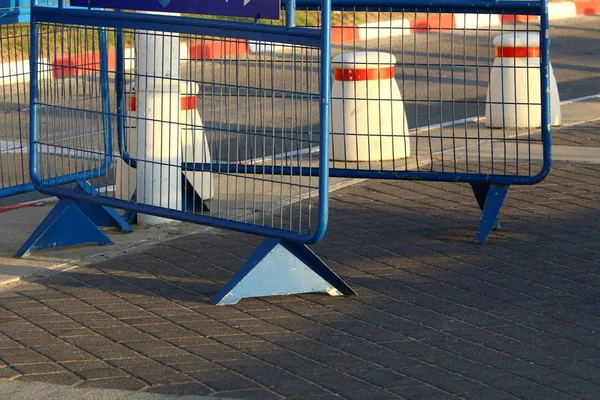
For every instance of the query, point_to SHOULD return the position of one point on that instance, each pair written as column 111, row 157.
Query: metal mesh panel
column 72, row 124
column 14, row 103
column 226, row 123
column 234, row 120
column 15, row 77
column 443, row 61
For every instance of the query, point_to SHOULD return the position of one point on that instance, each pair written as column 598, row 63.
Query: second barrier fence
column 53, row 71
column 178, row 123
column 448, row 91
column 238, row 123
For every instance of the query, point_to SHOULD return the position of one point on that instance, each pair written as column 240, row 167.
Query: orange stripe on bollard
column 369, row 74
column 187, row 103
column 518, row 52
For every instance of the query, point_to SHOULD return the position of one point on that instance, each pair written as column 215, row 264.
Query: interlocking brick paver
column 102, row 373
column 123, row 383
column 60, row 378
column 64, row 354
column 422, row 392
column 254, row 394
column 303, row 390
column 43, row 368
column 182, row 389
column 82, row 366
column 436, row 317
column 21, row 355
column 490, row 394
column 378, row 394
column 8, row 373
column 236, row 383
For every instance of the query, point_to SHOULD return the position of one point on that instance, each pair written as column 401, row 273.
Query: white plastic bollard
column 158, row 145
column 194, row 146
column 368, row 121
column 514, row 91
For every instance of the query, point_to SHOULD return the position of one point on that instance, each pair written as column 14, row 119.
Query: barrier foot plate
column 102, row 215
column 279, row 267
column 490, row 198
column 131, row 216
column 67, row 224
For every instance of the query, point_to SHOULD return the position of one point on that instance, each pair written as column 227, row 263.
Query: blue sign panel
column 266, row 9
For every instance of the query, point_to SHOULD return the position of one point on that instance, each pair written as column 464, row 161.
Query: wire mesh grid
column 218, row 128
column 417, row 96
column 175, row 101
column 73, row 131
column 14, row 104
column 15, row 78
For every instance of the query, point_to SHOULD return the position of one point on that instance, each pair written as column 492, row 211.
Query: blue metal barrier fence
column 460, row 101
column 14, row 77
column 54, row 69
column 171, row 109
column 71, row 65
column 212, row 134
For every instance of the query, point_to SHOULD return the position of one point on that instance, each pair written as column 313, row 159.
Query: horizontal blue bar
column 369, row 174
column 17, row 189
column 19, row 11
column 240, row 226
column 176, row 24
column 267, row 9
column 500, row 7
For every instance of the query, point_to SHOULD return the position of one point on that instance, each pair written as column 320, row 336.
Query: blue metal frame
column 489, row 189
column 16, row 12
column 19, row 11
column 299, row 36
column 490, row 199
column 120, row 90
column 257, row 277
column 22, row 13
column 505, row 7
column 262, row 275
column 58, row 229
column 432, row 6
column 71, row 222
column 34, row 98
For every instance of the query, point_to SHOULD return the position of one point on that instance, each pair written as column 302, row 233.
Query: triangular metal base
column 67, row 224
column 490, row 198
column 278, row 267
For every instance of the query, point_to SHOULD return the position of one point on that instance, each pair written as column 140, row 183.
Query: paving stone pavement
column 436, row 315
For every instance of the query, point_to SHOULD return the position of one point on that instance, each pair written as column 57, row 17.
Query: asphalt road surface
column 264, row 105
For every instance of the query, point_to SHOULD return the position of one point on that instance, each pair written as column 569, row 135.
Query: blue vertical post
column 290, row 13
column 120, row 90
column 490, row 198
column 105, row 96
column 545, row 88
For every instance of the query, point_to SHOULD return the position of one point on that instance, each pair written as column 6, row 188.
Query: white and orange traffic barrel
column 368, row 121
column 514, row 91
column 194, row 147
